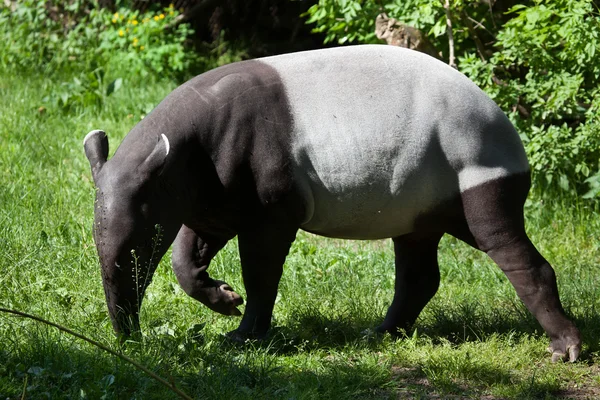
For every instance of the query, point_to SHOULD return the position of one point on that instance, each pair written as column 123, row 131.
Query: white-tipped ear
column 167, row 145
column 156, row 159
column 95, row 145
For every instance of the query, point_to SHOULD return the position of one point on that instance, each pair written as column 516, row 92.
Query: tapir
column 359, row 142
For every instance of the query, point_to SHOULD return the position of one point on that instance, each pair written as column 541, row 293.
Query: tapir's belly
column 370, row 191
column 368, row 212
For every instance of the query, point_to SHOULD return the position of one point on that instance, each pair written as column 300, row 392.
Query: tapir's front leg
column 263, row 250
column 191, row 257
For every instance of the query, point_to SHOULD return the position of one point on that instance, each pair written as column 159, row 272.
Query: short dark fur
column 231, row 174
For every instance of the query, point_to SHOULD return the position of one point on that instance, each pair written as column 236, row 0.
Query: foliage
column 344, row 21
column 546, row 75
column 86, row 90
column 149, row 40
column 91, row 42
column 353, row 21
column 33, row 37
column 538, row 62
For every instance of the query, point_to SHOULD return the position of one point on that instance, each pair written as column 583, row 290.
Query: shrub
column 85, row 41
column 545, row 75
column 33, row 37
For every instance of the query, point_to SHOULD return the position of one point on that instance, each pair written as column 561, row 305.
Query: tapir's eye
column 145, row 209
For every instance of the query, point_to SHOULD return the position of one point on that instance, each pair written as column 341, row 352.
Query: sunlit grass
column 475, row 338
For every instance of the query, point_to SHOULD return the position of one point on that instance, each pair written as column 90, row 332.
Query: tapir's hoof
column 571, row 354
column 394, row 331
column 221, row 298
column 240, row 337
column 565, row 349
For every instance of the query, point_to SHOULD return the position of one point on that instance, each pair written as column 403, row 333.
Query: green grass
column 474, row 339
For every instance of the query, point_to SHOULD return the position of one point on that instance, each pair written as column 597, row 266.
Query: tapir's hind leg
column 494, row 214
column 417, row 279
column 191, row 257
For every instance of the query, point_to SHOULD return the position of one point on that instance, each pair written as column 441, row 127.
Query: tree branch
column 467, row 21
column 451, row 58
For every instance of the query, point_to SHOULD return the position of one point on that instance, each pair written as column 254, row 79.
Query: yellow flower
column 116, row 15
column 135, row 42
column 114, row 20
column 171, row 5
column 121, row 33
column 141, row 47
column 134, row 22
column 161, row 16
column 171, row 12
column 156, row 17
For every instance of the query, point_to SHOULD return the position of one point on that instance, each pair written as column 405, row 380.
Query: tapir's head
column 130, row 231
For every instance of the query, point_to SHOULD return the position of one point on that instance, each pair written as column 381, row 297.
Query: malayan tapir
column 362, row 142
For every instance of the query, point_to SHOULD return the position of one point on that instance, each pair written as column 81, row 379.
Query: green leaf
column 516, row 8
column 114, row 86
column 563, row 182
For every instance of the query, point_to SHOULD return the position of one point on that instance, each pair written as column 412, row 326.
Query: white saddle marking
column 384, row 134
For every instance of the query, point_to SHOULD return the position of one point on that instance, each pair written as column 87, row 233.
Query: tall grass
column 474, row 339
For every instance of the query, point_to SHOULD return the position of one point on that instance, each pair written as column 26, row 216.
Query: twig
column 490, row 4
column 451, row 59
column 479, row 24
column 24, row 387
column 467, row 21
column 170, row 386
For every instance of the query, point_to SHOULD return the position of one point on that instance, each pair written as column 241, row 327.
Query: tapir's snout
column 113, row 236
column 128, row 235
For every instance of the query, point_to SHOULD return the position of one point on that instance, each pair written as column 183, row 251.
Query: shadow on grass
column 414, row 383
column 204, row 368
column 338, row 376
column 48, row 366
column 311, row 329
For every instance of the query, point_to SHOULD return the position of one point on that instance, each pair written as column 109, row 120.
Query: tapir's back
column 382, row 135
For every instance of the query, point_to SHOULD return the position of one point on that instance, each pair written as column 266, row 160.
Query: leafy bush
column 32, row 37
column 88, row 89
column 344, row 21
column 353, row 21
column 538, row 61
column 546, row 76
column 87, row 41
column 149, row 41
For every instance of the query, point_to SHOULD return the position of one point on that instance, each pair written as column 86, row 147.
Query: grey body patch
column 382, row 135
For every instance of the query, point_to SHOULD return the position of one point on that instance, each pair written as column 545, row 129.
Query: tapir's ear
column 152, row 165
column 96, row 150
